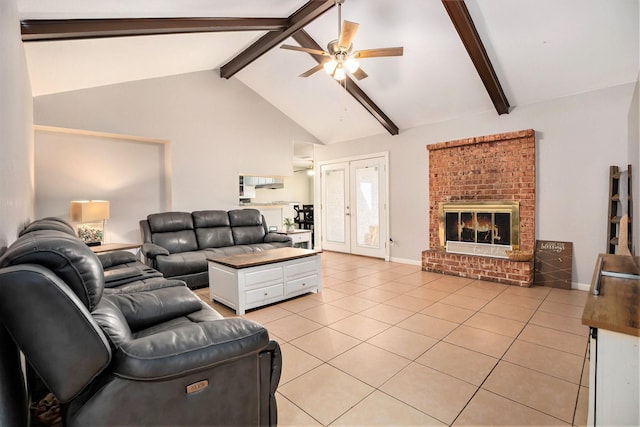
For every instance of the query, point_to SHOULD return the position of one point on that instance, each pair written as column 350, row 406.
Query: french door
column 354, row 207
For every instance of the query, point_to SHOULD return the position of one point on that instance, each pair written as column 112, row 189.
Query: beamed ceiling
column 460, row 58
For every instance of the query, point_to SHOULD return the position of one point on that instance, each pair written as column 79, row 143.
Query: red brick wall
column 485, row 168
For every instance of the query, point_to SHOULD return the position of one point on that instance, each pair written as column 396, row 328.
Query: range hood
column 271, row 186
column 262, row 182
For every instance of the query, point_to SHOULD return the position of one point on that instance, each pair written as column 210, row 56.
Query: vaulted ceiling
column 460, row 57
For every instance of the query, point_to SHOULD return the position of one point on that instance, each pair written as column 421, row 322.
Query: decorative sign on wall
column 553, row 264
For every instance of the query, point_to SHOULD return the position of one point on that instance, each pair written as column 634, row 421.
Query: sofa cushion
column 210, row 218
column 182, row 263
column 170, row 221
column 245, row 217
column 212, row 229
column 248, row 235
column 49, row 223
column 173, row 231
column 228, row 251
column 247, row 227
column 177, row 241
column 145, row 284
column 66, row 256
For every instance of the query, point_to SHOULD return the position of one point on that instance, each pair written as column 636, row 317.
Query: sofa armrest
column 189, row 349
column 53, row 329
column 122, row 275
column 151, row 250
column 144, row 309
column 111, row 259
column 276, row 237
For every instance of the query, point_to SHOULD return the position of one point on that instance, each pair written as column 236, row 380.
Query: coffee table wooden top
column 265, row 257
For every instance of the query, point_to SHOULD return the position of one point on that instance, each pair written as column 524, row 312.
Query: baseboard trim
column 581, row 286
column 406, row 261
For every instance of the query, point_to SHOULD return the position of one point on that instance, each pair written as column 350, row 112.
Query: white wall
column 217, row 128
column 131, row 173
column 578, row 138
column 16, row 135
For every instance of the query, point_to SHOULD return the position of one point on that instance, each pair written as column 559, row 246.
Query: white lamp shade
column 88, row 210
column 352, row 65
column 330, row 66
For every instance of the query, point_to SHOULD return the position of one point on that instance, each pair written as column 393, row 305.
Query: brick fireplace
column 474, row 178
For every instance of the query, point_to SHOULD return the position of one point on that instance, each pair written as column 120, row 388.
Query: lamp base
column 93, row 243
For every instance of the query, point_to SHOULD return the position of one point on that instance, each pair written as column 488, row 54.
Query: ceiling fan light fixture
column 339, row 74
column 330, row 66
column 352, row 65
column 339, row 59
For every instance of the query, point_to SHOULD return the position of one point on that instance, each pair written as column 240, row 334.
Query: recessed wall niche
column 133, row 173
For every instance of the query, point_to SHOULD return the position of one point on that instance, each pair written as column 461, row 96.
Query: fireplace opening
column 484, row 228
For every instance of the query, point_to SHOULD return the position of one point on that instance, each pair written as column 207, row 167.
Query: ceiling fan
column 339, row 58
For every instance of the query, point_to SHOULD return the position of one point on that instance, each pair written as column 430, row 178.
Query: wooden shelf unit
column 616, row 210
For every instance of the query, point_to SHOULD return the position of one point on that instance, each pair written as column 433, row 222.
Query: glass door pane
column 335, row 219
column 335, row 206
column 367, row 207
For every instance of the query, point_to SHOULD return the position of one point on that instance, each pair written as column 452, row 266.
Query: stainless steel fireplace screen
column 480, row 223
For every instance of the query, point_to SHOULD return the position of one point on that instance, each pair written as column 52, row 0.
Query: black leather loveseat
column 179, row 243
column 153, row 355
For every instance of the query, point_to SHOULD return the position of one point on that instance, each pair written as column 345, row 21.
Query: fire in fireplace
column 482, row 228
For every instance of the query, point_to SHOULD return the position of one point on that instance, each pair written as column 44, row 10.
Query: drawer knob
column 304, row 284
column 266, row 293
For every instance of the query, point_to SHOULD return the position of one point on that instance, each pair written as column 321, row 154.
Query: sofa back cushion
column 174, row 231
column 49, row 223
column 213, row 229
column 247, row 226
column 66, row 256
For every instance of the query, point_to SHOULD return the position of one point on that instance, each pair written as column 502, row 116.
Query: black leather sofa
column 143, row 355
column 179, row 243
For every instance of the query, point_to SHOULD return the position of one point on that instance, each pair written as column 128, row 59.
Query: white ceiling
column 540, row 49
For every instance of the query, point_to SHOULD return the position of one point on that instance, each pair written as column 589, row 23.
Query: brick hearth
column 486, row 168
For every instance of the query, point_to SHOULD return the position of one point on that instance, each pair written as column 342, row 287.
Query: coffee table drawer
column 301, row 268
column 264, row 294
column 263, row 276
column 304, row 284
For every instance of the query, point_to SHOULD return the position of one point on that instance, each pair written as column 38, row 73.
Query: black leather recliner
column 153, row 357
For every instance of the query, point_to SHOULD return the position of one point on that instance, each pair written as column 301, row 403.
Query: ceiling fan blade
column 383, row 51
column 360, row 74
column 304, row 49
column 347, row 33
column 312, row 71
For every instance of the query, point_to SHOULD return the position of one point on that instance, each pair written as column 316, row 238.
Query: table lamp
column 90, row 216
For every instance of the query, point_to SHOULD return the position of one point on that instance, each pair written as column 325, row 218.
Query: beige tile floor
column 387, row 344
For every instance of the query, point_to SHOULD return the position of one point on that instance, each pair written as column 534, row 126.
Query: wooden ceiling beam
column 74, row 29
column 463, row 23
column 297, row 21
column 305, row 40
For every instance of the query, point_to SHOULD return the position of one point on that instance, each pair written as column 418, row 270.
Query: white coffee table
column 252, row 280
